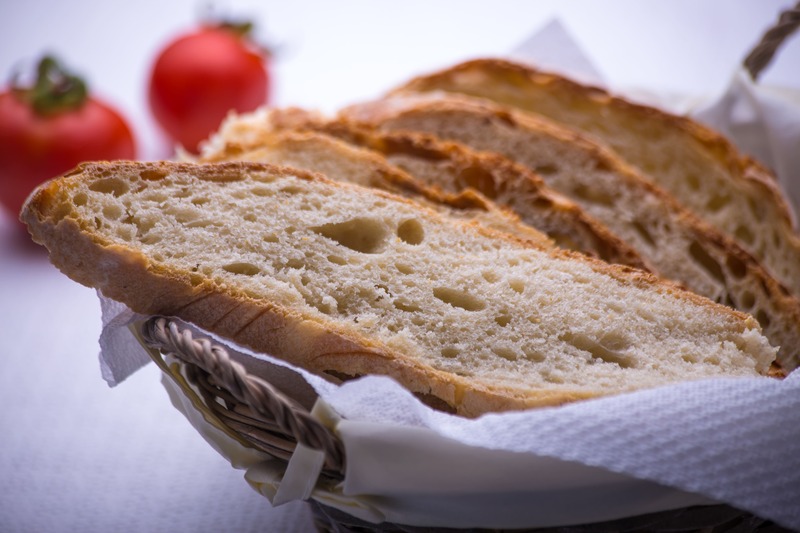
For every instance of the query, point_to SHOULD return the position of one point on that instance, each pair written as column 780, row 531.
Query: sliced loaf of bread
column 315, row 152
column 416, row 164
column 676, row 243
column 345, row 281
column 701, row 168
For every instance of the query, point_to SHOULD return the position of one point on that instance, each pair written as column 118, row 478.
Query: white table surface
column 78, row 456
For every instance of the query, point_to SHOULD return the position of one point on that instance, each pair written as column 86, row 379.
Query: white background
column 78, row 456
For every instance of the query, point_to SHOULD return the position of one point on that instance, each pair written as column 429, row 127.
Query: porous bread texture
column 700, row 167
column 337, row 160
column 341, row 279
column 678, row 245
column 431, row 166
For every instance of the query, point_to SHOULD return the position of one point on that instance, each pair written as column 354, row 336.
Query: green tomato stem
column 56, row 90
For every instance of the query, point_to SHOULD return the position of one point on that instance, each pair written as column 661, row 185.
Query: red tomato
column 46, row 131
column 198, row 78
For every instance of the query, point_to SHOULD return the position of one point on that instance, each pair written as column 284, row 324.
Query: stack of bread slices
column 491, row 236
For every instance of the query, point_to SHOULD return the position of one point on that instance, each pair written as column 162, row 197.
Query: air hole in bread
column 406, row 305
column 382, row 291
column 249, row 217
column 80, row 199
column 542, row 202
column 364, row 235
column 292, row 190
column 505, row 353
column 736, row 266
column 748, row 300
column 608, row 349
column 393, row 328
column 757, row 208
column 153, row 175
column 593, row 196
column 271, row 237
column 777, row 239
column 490, row 276
column 551, row 377
column 113, row 186
column 717, row 202
column 295, row 263
column 502, row 320
column 744, row 234
column 449, row 352
column 246, row 269
column 763, row 318
column 262, row 191
column 411, row 231
column 644, row 233
column 459, row 298
column 479, row 179
column 336, row 260
column 705, row 260
column 533, row 355
column 404, row 268
column 517, row 285
column 689, row 357
column 200, row 200
column 547, row 170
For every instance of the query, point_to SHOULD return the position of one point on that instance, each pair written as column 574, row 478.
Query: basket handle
column 166, row 336
column 761, row 55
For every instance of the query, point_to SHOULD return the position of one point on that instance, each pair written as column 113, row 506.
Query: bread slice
column 701, row 168
column 677, row 244
column 315, row 152
column 419, row 165
column 346, row 281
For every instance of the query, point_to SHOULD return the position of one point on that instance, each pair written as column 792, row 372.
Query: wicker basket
column 258, row 415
